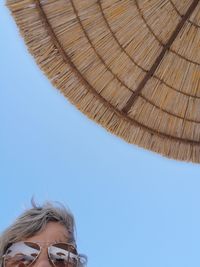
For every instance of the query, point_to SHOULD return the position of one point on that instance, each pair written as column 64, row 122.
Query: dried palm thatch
column 131, row 65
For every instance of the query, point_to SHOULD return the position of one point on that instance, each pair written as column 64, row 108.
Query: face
column 52, row 241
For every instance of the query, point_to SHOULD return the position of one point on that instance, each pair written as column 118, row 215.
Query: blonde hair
column 34, row 220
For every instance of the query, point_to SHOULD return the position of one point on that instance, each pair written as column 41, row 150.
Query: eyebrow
column 69, row 239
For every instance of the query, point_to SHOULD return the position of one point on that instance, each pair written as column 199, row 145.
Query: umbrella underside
column 133, row 66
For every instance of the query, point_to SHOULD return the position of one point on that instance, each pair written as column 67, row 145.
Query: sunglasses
column 23, row 254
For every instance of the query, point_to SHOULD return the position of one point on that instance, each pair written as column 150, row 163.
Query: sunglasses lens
column 21, row 254
column 63, row 255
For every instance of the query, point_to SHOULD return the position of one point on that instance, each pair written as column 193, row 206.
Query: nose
column 42, row 260
column 42, row 263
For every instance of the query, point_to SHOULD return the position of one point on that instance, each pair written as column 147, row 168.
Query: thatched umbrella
column 131, row 65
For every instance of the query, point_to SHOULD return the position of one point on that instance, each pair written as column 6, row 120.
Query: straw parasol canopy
column 133, row 66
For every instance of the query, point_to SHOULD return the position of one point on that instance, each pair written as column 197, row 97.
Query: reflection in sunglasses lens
column 63, row 255
column 21, row 254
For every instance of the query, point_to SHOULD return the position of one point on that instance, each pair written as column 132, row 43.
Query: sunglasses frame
column 75, row 253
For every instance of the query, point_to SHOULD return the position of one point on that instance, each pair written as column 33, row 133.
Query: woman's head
column 44, row 225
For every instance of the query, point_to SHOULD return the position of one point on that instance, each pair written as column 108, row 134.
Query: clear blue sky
column 132, row 207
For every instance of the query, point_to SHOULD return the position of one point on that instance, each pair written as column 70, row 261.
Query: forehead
column 53, row 232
